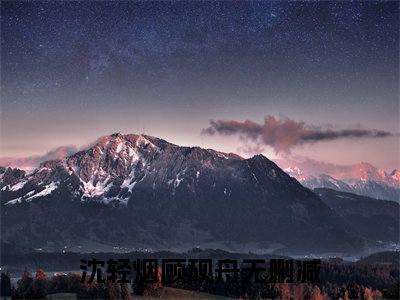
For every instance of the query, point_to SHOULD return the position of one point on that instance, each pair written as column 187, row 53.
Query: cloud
column 282, row 134
column 31, row 162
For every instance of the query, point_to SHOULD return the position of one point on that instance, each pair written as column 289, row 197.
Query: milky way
column 74, row 70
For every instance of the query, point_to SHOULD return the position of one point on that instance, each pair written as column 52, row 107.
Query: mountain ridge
column 142, row 191
column 361, row 179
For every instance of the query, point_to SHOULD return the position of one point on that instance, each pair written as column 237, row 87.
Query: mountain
column 326, row 181
column 361, row 179
column 137, row 191
column 386, row 258
column 369, row 188
column 367, row 172
column 369, row 217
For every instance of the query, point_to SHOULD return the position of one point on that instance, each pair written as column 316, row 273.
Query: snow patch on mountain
column 18, row 186
column 48, row 189
column 129, row 183
column 91, row 190
column 14, row 201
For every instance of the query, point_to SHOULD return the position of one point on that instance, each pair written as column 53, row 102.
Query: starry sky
column 74, row 71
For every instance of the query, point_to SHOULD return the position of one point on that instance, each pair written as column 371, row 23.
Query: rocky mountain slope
column 139, row 191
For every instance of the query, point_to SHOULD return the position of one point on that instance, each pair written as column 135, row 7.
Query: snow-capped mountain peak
column 395, row 175
column 363, row 179
column 115, row 165
column 295, row 172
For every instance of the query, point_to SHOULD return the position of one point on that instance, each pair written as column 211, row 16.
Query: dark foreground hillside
column 373, row 219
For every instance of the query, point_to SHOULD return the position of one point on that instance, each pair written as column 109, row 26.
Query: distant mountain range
column 362, row 179
column 141, row 192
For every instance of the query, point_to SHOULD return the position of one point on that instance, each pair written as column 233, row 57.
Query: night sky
column 73, row 71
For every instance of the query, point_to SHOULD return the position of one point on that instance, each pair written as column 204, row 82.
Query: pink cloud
column 31, row 162
column 282, row 134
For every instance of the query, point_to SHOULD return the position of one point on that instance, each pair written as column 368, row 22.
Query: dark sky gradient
column 72, row 71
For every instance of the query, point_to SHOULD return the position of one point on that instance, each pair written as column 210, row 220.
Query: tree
column 39, row 288
column 316, row 294
column 125, row 294
column 113, row 290
column 393, row 292
column 5, row 290
column 24, row 288
column 40, row 274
